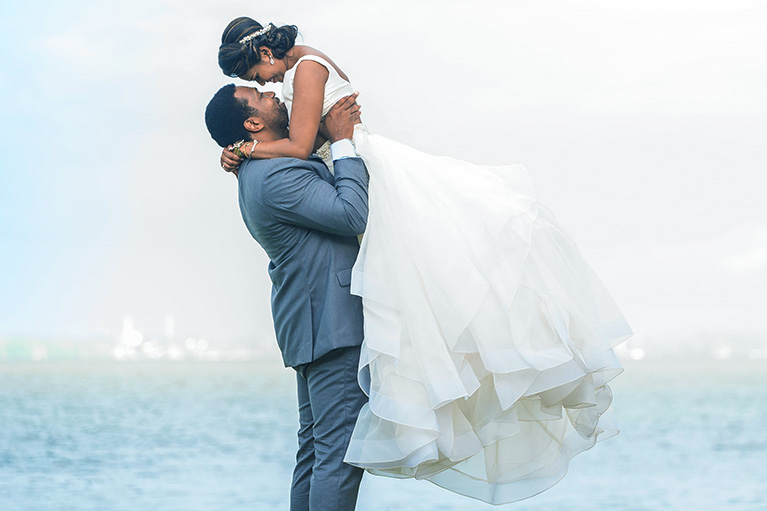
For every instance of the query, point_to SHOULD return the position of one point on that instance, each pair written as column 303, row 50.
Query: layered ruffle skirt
column 488, row 339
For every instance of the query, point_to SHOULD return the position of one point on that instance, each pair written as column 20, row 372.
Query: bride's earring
column 271, row 60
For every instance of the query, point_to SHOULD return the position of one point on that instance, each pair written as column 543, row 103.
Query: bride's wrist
column 249, row 150
column 244, row 149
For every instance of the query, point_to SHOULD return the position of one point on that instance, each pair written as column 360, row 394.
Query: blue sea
column 194, row 436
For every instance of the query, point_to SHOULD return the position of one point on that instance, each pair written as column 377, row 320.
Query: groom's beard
column 279, row 122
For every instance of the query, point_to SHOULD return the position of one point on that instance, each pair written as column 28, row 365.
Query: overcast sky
column 643, row 125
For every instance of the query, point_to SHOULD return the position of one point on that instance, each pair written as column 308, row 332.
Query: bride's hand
column 230, row 162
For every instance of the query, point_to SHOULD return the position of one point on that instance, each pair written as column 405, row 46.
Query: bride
column 488, row 339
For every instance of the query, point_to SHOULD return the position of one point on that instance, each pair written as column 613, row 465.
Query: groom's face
column 271, row 111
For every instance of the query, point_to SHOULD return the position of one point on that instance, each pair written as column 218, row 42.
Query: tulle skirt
column 488, row 339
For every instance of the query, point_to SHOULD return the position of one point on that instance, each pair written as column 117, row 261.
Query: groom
column 307, row 221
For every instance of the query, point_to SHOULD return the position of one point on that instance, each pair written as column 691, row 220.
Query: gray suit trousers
column 329, row 400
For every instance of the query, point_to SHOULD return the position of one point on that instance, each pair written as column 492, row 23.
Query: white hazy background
column 644, row 125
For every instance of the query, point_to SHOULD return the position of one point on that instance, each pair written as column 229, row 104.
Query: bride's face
column 264, row 71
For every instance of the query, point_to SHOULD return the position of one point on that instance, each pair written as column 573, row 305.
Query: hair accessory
column 257, row 33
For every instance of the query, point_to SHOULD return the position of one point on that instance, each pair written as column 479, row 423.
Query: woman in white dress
column 488, row 339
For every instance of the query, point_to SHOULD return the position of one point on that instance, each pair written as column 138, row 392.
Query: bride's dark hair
column 235, row 57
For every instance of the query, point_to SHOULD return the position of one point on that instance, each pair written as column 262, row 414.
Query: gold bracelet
column 236, row 149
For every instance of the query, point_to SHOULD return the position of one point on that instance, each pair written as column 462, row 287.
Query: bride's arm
column 309, row 95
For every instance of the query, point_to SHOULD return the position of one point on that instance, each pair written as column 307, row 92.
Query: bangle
column 236, row 149
column 255, row 143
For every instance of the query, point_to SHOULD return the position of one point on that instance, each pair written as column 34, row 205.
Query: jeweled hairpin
column 257, row 33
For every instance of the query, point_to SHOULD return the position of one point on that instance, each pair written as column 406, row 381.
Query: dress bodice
column 335, row 88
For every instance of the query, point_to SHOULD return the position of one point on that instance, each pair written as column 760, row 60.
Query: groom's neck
column 270, row 135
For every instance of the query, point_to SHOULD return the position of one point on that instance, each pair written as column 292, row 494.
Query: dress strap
column 318, row 60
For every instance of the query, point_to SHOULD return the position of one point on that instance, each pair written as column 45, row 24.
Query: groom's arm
column 298, row 195
column 302, row 198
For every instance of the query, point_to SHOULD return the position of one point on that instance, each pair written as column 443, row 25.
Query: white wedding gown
column 488, row 339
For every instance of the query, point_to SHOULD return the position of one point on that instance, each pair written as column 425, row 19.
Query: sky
column 643, row 125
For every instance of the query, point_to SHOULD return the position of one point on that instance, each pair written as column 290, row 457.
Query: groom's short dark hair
column 225, row 115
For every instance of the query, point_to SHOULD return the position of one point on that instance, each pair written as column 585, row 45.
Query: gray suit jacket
column 307, row 222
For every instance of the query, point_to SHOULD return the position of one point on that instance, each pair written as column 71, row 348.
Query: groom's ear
column 253, row 124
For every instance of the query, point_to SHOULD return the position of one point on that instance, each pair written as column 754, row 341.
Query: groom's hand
column 230, row 162
column 340, row 120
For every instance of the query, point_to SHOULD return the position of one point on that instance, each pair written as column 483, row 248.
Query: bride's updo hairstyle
column 244, row 36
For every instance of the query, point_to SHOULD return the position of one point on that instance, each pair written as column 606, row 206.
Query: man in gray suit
column 307, row 220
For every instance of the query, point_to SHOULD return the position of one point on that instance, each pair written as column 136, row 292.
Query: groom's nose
column 270, row 94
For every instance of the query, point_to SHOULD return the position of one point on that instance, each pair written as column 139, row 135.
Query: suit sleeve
column 297, row 195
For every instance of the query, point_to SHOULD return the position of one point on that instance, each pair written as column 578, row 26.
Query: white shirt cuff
column 342, row 149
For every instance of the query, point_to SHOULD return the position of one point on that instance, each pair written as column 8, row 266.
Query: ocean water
column 186, row 436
